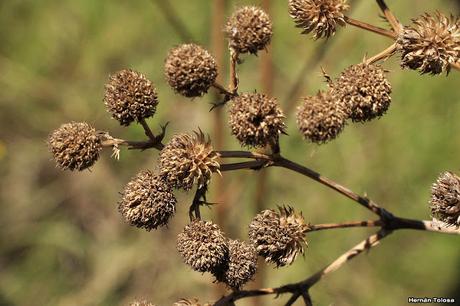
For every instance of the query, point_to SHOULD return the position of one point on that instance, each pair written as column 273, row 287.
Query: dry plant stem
column 302, row 287
column 222, row 89
column 147, row 130
column 233, row 85
column 254, row 165
column 369, row 27
column 327, row 226
column 382, row 55
column 395, row 24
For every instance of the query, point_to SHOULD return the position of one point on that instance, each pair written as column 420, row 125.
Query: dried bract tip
column 319, row 16
column 188, row 159
column 366, row 91
column 240, row 266
column 190, row 70
column 278, row 236
column 130, row 96
column 255, row 119
column 445, row 199
column 321, row 118
column 75, row 146
column 202, row 245
column 430, row 44
column 147, row 201
column 249, row 29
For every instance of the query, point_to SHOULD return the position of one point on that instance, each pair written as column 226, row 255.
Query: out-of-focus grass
column 62, row 240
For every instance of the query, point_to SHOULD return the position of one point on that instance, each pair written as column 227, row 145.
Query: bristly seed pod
column 366, row 91
column 188, row 159
column 278, row 236
column 240, row 266
column 319, row 16
column 75, row 146
column 190, row 70
column 430, row 44
column 249, row 29
column 202, row 245
column 130, row 96
column 255, row 119
column 321, row 118
column 445, row 199
column 147, row 201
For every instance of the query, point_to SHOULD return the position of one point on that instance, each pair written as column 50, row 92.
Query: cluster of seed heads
column 360, row 93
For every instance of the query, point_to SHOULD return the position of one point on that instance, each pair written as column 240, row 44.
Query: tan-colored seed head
column 187, row 160
column 202, row 245
column 147, row 201
column 322, row 117
column 190, row 70
column 278, row 236
column 319, row 16
column 130, row 96
column 249, row 29
column 445, row 199
column 366, row 91
column 75, row 146
column 430, row 44
column 240, row 265
column 255, row 119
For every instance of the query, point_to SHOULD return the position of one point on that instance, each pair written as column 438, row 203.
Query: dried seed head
column 445, row 199
column 202, row 245
column 365, row 89
column 430, row 44
column 130, row 96
column 321, row 118
column 255, row 119
column 278, row 236
column 190, row 302
column 190, row 70
column 320, row 16
column 240, row 266
column 249, row 29
column 147, row 201
column 75, row 146
column 188, row 159
column 141, row 303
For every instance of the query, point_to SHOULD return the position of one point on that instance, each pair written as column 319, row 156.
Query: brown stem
column 253, row 164
column 369, row 27
column 147, row 130
column 243, row 154
column 221, row 89
column 382, row 55
column 369, row 204
column 233, row 85
column 395, row 24
column 327, row 226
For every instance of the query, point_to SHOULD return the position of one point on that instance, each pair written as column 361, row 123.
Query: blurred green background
column 62, row 241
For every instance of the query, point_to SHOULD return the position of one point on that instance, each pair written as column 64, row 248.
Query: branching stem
column 369, row 27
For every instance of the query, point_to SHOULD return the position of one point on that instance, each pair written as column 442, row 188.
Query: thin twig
column 147, row 130
column 253, row 165
column 395, row 24
column 327, row 226
column 382, row 55
column 233, row 83
column 369, row 27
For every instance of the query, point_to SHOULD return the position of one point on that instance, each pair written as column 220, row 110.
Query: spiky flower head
column 130, row 96
column 366, row 91
column 319, row 16
column 249, row 29
column 75, row 146
column 188, row 159
column 202, row 245
column 190, row 70
column 445, row 199
column 322, row 117
column 430, row 44
column 147, row 201
column 255, row 119
column 240, row 266
column 278, row 236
